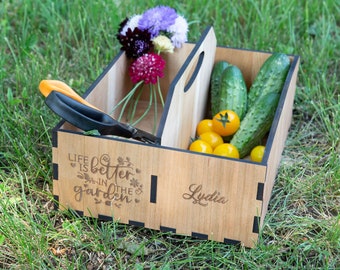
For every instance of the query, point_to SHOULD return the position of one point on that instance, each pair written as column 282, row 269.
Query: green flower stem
column 133, row 106
column 146, row 111
column 126, row 99
column 160, row 92
column 124, row 105
column 159, row 85
column 136, row 92
column 156, row 108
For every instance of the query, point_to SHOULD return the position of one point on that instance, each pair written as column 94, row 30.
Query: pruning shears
column 66, row 103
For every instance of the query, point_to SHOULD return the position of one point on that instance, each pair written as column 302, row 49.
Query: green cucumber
column 215, row 82
column 233, row 92
column 255, row 124
column 270, row 78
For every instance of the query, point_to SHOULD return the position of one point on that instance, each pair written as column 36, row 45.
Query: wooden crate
column 166, row 187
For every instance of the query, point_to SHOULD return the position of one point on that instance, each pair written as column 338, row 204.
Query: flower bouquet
column 144, row 38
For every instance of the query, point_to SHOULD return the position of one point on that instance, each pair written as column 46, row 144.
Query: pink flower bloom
column 148, row 68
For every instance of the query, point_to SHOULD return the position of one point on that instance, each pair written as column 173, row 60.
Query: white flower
column 132, row 24
column 163, row 44
column 179, row 31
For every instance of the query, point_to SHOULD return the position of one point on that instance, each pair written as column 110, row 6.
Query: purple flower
column 157, row 19
column 148, row 68
column 135, row 42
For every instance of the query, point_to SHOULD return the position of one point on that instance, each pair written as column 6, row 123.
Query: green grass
column 73, row 41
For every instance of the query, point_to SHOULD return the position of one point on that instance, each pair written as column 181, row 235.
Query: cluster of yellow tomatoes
column 213, row 134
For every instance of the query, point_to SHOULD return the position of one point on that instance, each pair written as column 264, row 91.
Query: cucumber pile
column 256, row 107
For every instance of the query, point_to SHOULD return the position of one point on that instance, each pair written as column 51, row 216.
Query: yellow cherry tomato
column 212, row 138
column 257, row 153
column 226, row 122
column 226, row 150
column 204, row 125
column 201, row 147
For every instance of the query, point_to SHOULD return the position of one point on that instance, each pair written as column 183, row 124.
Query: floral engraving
column 106, row 180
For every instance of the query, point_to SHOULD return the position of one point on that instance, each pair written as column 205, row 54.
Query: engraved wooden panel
column 159, row 187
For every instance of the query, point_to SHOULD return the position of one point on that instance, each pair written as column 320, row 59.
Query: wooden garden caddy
column 165, row 187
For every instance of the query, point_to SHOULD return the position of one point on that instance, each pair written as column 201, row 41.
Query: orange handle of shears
column 47, row 86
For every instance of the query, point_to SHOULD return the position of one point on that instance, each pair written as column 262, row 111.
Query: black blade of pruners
column 87, row 119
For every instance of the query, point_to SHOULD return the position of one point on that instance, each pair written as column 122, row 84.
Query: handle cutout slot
column 194, row 74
